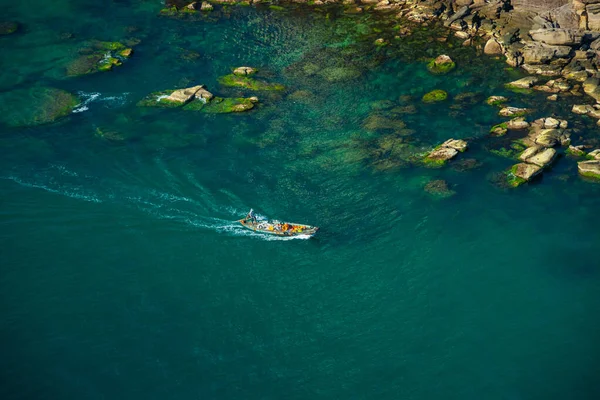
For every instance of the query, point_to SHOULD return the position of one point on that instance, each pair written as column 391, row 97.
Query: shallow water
column 125, row 275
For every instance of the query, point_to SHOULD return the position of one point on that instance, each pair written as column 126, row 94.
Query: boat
column 277, row 228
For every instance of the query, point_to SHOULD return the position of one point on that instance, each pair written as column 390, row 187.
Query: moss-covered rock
column 8, row 27
column 435, row 96
column 100, row 57
column 589, row 169
column 219, row 105
column 441, row 65
column 35, row 106
column 499, row 130
column 246, row 82
column 496, row 100
column 159, row 99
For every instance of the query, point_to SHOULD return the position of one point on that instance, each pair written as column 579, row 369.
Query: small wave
column 73, row 193
column 88, row 98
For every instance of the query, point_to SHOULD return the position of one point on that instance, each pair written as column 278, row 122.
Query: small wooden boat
column 277, row 228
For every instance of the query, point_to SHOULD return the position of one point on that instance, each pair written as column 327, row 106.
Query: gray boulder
column 540, row 53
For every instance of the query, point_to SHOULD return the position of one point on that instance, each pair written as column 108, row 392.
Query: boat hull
column 275, row 229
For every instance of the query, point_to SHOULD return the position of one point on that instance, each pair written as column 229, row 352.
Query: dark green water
column 124, row 275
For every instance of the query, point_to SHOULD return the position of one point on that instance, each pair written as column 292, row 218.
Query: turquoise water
column 124, row 274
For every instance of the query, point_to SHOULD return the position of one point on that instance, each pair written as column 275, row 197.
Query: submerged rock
column 439, row 188
column 249, row 83
column 589, row 169
column 339, row 74
column 434, row 96
column 8, row 27
column 100, row 57
column 441, row 65
column 35, row 106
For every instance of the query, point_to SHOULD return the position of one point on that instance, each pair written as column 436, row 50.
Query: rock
column 441, row 65
column 126, row 53
column 183, row 95
column 339, row 74
column 576, row 151
column 243, row 71
column 590, row 169
column 551, row 123
column 499, row 130
column 594, row 114
column 524, row 172
column 191, row 6
column 253, row 99
column 539, row 53
column 439, row 188
column 35, row 106
column 582, row 109
column 492, row 47
column 557, row 36
column 548, row 137
column 543, row 69
column 513, row 112
column 8, row 27
column 435, row 96
column 247, row 82
column 517, row 124
column 203, row 94
column 579, row 76
column 523, row 83
column 442, row 154
column 553, row 97
column 205, row 6
column 456, row 144
column 539, row 156
column 380, row 42
column 461, row 12
column 496, row 100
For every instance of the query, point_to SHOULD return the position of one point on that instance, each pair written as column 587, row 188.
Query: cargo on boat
column 277, row 228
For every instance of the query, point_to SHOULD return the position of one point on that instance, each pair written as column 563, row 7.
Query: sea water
column 125, row 275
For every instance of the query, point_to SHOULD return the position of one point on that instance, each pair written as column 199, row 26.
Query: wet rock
column 435, row 96
column 538, row 155
column 492, row 47
column 204, row 94
column 8, row 27
column 499, row 130
column 589, row 169
column 576, row 151
column 182, row 96
column 244, row 71
column 582, row 109
column 439, row 188
column 553, row 97
column 523, row 172
column 206, row 6
column 220, row 105
column 496, row 100
column 557, row 36
column 513, row 112
column 517, row 124
column 523, row 83
column 457, row 144
column 551, row 123
column 441, row 65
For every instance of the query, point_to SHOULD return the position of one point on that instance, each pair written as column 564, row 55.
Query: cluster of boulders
column 197, row 98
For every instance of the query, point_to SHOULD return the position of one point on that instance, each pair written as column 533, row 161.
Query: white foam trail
column 96, row 96
column 61, row 191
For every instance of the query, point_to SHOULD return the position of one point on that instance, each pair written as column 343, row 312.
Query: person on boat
column 286, row 226
column 251, row 216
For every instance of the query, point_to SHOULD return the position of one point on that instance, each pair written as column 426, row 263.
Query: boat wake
column 109, row 101
column 188, row 212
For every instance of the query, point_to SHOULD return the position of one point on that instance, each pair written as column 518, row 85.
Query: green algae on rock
column 220, row 105
column 589, row 169
column 339, row 74
column 245, row 82
column 36, row 106
column 159, row 99
column 104, row 56
column 439, row 189
column 434, row 96
column 8, row 27
column 441, row 65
